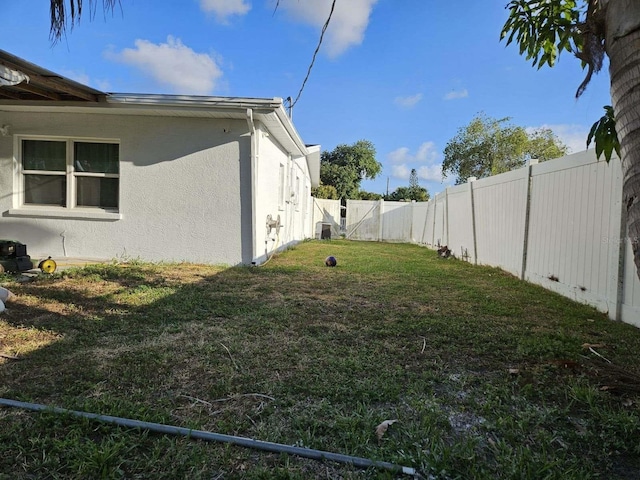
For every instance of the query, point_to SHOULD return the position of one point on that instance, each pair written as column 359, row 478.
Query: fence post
column 473, row 220
column 433, row 227
column 413, row 204
column 424, row 227
column 380, row 217
column 445, row 230
column 525, row 243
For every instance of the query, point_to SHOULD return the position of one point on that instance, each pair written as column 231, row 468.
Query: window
column 70, row 173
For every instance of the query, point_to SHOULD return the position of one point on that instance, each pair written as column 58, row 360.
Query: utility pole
column 288, row 99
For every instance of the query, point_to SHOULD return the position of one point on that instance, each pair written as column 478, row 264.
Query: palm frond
column 66, row 13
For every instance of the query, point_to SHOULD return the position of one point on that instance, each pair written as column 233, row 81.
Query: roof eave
column 191, row 101
column 270, row 111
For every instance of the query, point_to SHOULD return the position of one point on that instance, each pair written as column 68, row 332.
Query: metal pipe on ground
column 217, row 437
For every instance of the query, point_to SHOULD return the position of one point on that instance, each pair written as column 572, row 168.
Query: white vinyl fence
column 326, row 213
column 559, row 224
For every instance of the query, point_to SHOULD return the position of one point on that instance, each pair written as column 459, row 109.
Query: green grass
column 488, row 376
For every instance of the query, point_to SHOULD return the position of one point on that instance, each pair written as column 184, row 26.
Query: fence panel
column 422, row 219
column 460, row 226
column 397, row 218
column 500, row 211
column 575, row 210
column 440, row 220
column 326, row 211
column 363, row 220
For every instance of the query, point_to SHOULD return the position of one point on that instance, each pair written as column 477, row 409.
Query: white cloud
column 408, row 102
column 399, row 155
column 426, row 153
column 173, row 64
column 455, row 94
column 572, row 135
column 348, row 23
column 430, row 172
column 223, row 9
column 425, row 161
column 400, row 171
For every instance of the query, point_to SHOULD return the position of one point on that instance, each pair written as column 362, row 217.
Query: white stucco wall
column 185, row 190
column 286, row 193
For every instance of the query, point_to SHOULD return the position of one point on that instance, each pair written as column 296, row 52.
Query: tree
column 325, row 191
column 406, row 194
column 545, row 145
column 416, row 192
column 370, row 195
column 488, row 146
column 347, row 165
column 66, row 13
column 413, row 179
column 591, row 30
column 413, row 192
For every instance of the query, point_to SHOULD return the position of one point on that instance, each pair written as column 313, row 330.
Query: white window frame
column 71, row 209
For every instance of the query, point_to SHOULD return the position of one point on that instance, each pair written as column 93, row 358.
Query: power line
column 324, row 29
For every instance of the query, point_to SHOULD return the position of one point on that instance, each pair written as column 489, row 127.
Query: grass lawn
column 488, row 377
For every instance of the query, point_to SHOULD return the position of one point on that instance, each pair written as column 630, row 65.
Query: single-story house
column 220, row 180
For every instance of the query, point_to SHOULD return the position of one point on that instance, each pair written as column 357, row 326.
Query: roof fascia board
column 273, row 124
column 311, row 154
column 192, row 101
column 313, row 162
column 287, row 124
column 270, row 112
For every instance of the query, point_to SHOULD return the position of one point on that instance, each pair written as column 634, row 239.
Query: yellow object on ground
column 48, row 266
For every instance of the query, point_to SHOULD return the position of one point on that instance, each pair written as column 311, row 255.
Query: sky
column 406, row 75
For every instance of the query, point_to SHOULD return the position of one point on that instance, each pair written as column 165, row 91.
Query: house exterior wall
column 283, row 189
column 183, row 190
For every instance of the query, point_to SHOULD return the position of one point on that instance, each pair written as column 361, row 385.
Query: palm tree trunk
column 623, row 49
